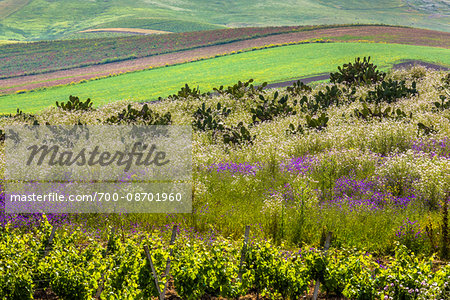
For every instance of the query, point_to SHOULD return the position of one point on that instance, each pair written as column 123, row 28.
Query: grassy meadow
column 351, row 157
column 313, row 160
column 271, row 65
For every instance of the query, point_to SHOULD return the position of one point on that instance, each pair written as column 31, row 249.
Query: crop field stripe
column 397, row 35
column 272, row 65
column 127, row 30
column 51, row 57
column 8, row 7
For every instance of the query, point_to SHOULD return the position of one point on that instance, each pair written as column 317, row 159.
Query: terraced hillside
column 49, row 19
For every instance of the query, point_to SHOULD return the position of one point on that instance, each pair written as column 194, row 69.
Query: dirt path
column 377, row 33
column 412, row 63
column 326, row 76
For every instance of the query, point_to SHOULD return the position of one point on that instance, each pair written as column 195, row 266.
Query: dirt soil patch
column 410, row 36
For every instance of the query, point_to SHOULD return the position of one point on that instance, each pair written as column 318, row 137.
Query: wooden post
column 50, row 241
column 102, row 278
column 167, row 272
column 152, row 267
column 244, row 250
column 325, row 250
column 162, row 294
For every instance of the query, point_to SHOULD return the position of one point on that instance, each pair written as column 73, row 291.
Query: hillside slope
column 51, row 19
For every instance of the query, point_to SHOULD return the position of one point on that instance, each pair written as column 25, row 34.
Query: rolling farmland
column 43, row 57
column 302, row 149
column 272, row 65
column 207, row 44
column 48, row 19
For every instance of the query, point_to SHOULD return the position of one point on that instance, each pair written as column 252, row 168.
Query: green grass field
column 272, row 65
column 159, row 24
column 49, row 19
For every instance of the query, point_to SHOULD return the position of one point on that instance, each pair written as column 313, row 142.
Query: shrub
column 324, row 99
column 186, row 92
column 268, row 109
column 359, row 72
column 318, row 123
column 271, row 274
column 295, row 130
column 145, row 116
column 367, row 113
column 241, row 89
column 390, row 91
column 298, row 88
column 20, row 115
column 329, row 97
column 445, row 94
column 443, row 105
column 74, row 103
column 208, row 118
column 237, row 135
column 427, row 130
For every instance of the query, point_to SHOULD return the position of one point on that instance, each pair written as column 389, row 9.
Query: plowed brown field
column 410, row 36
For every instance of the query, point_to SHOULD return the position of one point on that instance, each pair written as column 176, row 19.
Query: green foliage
column 379, row 113
column 241, row 89
column 318, row 123
column 308, row 105
column 74, row 103
column 410, row 235
column 20, row 115
column 331, row 96
column 390, row 91
column 268, row 109
column 298, row 88
column 71, row 273
column 145, row 116
column 295, row 130
column 359, row 72
column 237, row 135
column 341, row 269
column 128, row 272
column 324, row 99
column 270, row 274
column 73, row 268
column 427, row 130
column 200, row 270
column 208, row 118
column 445, row 240
column 15, row 265
column 443, row 105
column 406, row 278
column 446, row 80
column 186, row 92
